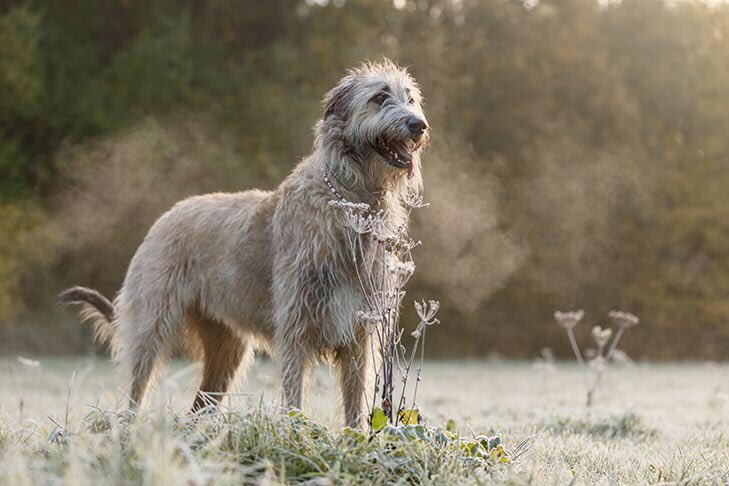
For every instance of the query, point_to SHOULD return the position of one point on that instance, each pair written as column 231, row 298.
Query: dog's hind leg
column 144, row 356
column 146, row 338
column 224, row 354
column 146, row 363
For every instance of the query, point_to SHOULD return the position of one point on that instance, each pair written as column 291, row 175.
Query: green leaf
column 295, row 413
column 414, row 432
column 355, row 435
column 451, row 426
column 420, row 432
column 484, row 441
column 498, row 454
column 441, row 436
column 378, row 420
column 410, row 417
column 395, row 433
column 471, row 447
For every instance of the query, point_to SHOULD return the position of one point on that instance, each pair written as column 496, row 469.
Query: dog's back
column 200, row 246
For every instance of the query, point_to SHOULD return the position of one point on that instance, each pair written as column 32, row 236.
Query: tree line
column 579, row 151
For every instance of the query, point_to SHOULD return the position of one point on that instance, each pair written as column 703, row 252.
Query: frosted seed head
column 568, row 320
column 622, row 319
column 414, row 201
column 601, row 336
column 427, row 311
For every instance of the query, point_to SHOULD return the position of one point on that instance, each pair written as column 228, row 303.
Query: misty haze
column 565, row 276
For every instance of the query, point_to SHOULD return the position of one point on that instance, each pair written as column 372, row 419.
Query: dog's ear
column 337, row 99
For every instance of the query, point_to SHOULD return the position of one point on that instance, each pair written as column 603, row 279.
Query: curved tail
column 94, row 307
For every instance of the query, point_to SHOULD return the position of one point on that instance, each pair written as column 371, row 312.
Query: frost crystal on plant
column 601, row 336
column 569, row 320
column 414, row 201
column 624, row 320
column 371, row 320
column 402, row 272
column 360, row 222
column 427, row 312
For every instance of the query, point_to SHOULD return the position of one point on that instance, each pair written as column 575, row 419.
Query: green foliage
column 412, row 453
column 25, row 244
column 21, row 89
column 263, row 446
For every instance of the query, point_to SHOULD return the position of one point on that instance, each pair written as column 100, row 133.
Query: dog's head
column 375, row 114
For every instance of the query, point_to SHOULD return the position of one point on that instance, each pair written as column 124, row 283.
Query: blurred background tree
column 579, row 154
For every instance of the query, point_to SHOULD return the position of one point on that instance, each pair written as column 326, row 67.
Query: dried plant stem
column 623, row 320
column 382, row 262
column 406, row 372
column 420, row 368
column 599, row 367
column 575, row 348
column 593, row 388
column 614, row 344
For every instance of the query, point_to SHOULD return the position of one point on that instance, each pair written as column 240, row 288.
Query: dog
column 226, row 274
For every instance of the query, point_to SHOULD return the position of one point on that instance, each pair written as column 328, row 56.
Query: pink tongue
column 410, row 170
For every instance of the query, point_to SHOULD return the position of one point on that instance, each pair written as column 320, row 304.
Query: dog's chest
column 322, row 273
column 331, row 290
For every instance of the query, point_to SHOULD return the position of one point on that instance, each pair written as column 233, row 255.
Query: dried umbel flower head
column 413, row 201
column 402, row 271
column 371, row 320
column 568, row 320
column 396, row 244
column 427, row 312
column 602, row 336
column 624, row 320
column 362, row 223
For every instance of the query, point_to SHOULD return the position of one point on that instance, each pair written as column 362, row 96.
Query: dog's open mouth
column 397, row 154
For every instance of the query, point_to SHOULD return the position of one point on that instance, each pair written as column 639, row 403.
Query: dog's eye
column 380, row 98
column 411, row 101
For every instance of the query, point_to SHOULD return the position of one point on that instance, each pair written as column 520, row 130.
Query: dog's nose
column 416, row 125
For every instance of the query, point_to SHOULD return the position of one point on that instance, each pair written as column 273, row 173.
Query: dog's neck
column 338, row 187
column 358, row 178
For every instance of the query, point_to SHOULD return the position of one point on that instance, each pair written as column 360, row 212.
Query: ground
column 652, row 423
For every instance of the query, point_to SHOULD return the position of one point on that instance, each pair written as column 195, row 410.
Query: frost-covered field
column 653, row 423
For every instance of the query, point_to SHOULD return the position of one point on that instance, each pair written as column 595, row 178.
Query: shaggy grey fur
column 225, row 274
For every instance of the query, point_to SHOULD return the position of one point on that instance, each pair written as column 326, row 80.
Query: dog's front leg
column 295, row 363
column 353, row 363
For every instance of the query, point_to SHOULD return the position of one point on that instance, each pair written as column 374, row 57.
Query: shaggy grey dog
column 226, row 274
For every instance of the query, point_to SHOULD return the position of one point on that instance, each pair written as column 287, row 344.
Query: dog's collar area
column 334, row 189
column 370, row 198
